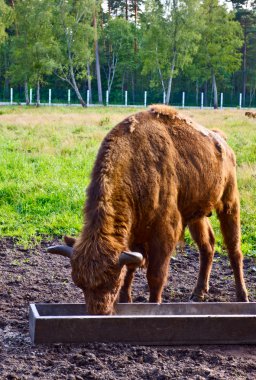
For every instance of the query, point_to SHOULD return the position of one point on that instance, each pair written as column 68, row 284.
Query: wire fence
column 67, row 97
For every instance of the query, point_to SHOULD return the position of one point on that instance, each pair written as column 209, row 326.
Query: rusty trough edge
column 150, row 329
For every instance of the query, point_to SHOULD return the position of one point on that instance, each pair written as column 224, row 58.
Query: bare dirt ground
column 28, row 276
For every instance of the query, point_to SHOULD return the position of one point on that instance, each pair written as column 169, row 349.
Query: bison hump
column 163, row 110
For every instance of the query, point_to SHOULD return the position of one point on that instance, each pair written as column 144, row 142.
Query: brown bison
column 250, row 114
column 156, row 172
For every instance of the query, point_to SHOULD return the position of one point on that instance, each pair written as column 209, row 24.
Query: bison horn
column 62, row 250
column 127, row 258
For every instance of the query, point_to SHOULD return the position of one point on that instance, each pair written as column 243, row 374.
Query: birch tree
column 171, row 39
column 74, row 31
column 118, row 46
column 96, row 49
column 219, row 53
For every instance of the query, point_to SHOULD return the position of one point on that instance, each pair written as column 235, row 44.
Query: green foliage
column 167, row 46
column 118, row 43
column 5, row 19
column 33, row 46
column 74, row 32
column 219, row 49
column 124, row 8
column 142, row 43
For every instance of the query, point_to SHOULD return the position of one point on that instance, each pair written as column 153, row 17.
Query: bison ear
column 128, row 257
column 63, row 250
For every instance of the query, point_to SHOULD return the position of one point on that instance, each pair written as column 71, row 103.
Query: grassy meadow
column 46, row 156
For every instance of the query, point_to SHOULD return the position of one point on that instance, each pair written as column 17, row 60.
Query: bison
column 250, row 114
column 156, row 173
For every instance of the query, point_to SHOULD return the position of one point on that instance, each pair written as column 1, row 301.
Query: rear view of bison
column 156, row 173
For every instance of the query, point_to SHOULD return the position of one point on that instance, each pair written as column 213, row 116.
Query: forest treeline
column 166, row 46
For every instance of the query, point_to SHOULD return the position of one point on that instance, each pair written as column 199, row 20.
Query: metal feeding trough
column 149, row 324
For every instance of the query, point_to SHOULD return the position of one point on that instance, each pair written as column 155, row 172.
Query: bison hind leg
column 229, row 217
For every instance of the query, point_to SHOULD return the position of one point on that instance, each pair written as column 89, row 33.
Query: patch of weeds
column 11, row 127
column 16, row 263
column 78, row 130
column 104, row 121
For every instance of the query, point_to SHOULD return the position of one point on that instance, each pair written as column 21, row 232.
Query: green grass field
column 46, row 156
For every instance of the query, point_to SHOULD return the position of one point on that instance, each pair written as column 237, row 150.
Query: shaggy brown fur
column 155, row 173
column 250, row 114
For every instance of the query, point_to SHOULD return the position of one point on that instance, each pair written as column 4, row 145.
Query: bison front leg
column 202, row 233
column 161, row 245
column 157, row 275
column 229, row 216
column 125, row 295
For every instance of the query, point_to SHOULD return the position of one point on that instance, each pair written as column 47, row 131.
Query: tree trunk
column 38, row 94
column 89, row 81
column 169, row 89
column 6, row 89
column 135, row 21
column 97, row 61
column 160, row 72
column 206, row 93
column 197, row 93
column 123, row 81
column 126, row 9
column 215, row 92
column 252, row 94
column 76, row 89
column 133, row 89
column 26, row 93
column 111, row 73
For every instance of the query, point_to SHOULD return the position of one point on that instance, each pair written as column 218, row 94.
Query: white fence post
column 88, row 98
column 240, row 100
column 183, row 99
column 164, row 97
column 30, row 96
column 145, row 98
column 125, row 98
column 69, row 96
column 11, row 95
column 202, row 100
column 107, row 97
column 221, row 100
column 50, row 96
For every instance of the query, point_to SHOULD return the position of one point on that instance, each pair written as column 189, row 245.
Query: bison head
column 99, row 281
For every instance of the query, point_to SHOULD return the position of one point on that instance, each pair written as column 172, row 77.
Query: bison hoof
column 242, row 295
column 124, row 298
column 197, row 298
column 242, row 298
